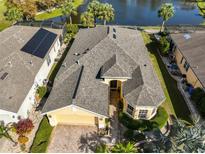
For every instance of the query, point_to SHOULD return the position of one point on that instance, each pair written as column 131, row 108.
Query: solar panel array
column 40, row 43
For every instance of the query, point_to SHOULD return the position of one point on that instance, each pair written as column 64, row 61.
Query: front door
column 113, row 84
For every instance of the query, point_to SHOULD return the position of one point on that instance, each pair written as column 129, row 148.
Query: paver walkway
column 73, row 139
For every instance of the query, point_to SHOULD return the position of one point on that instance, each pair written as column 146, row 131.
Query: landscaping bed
column 174, row 104
column 145, row 125
column 42, row 137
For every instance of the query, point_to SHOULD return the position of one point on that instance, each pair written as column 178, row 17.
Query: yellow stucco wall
column 75, row 116
column 191, row 77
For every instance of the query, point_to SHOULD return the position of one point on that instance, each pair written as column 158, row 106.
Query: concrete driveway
column 73, row 139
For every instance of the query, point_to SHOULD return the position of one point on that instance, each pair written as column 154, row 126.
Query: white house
column 26, row 57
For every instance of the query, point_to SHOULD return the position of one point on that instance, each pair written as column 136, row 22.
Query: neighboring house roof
column 119, row 54
column 192, row 47
column 22, row 52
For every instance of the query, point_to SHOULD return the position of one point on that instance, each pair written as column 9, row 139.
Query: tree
column 165, row 12
column 14, row 14
column 188, row 138
column 102, row 149
column 124, row 148
column 87, row 19
column 47, row 3
column 4, row 132
column 93, row 8
column 106, row 13
column 69, row 9
column 164, row 45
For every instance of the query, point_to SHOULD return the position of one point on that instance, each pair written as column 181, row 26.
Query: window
column 142, row 114
column 182, row 60
column 113, row 84
column 186, row 66
column 130, row 109
column 48, row 60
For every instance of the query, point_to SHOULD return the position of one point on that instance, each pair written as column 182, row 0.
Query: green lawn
column 42, row 137
column 174, row 103
column 3, row 23
column 56, row 12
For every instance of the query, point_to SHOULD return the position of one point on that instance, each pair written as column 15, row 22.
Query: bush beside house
column 198, row 97
column 145, row 125
column 71, row 30
column 164, row 45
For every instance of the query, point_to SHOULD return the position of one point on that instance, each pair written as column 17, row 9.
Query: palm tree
column 165, row 12
column 106, row 13
column 93, row 8
column 124, row 148
column 69, row 9
column 188, row 138
column 14, row 14
column 102, row 149
column 4, row 132
column 87, row 19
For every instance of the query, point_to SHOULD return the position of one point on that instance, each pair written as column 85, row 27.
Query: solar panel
column 40, row 43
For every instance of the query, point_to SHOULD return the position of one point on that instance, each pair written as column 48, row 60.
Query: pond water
column 144, row 12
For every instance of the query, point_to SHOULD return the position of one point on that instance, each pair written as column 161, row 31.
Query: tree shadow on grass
column 180, row 107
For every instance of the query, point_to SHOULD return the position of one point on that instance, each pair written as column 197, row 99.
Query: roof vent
column 31, row 63
column 4, row 76
column 77, row 62
column 187, row 36
column 9, row 63
column 64, row 65
column 76, row 54
column 114, row 30
column 114, row 36
column 145, row 65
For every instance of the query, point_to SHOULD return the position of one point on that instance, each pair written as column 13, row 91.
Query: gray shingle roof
column 123, row 56
column 193, row 49
column 21, row 67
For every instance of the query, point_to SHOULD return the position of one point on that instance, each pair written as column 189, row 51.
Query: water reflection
column 144, row 12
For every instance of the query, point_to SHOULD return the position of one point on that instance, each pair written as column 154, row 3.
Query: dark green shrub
column 164, row 46
column 197, row 94
column 72, row 28
column 202, row 106
column 41, row 91
column 129, row 134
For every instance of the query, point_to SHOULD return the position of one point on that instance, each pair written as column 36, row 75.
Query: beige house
column 101, row 61
column 189, row 54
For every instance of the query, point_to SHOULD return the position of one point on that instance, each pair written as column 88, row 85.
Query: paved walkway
column 113, row 113
column 73, row 139
column 8, row 147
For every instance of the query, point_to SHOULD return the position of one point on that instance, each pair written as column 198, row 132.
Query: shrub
column 145, row 125
column 160, row 118
column 129, row 134
column 41, row 91
column 164, row 46
column 72, row 28
column 22, row 139
column 202, row 106
column 24, row 126
column 197, row 94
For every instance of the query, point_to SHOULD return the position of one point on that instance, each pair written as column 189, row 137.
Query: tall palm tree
column 166, row 12
column 87, row 19
column 124, row 148
column 68, row 9
column 93, row 7
column 106, row 13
